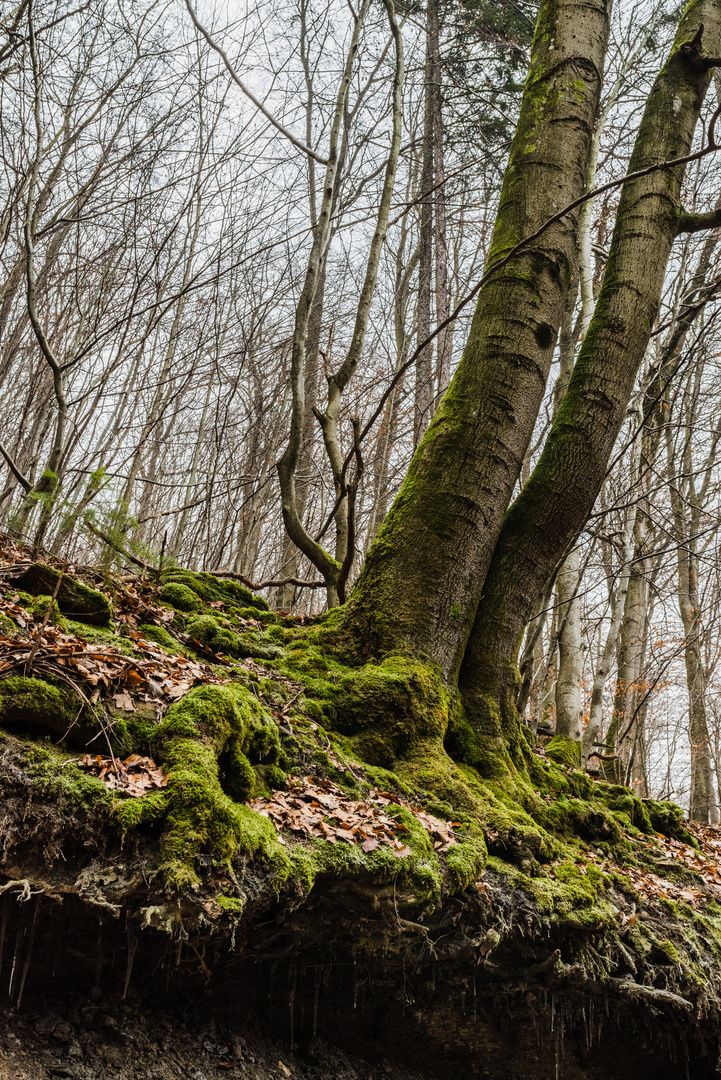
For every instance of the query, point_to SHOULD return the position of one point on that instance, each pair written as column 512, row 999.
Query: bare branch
column 248, row 93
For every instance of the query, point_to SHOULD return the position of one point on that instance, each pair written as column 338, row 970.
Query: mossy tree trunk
column 553, row 506
column 419, row 589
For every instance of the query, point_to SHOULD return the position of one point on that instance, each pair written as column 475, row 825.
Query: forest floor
column 89, row 1040
column 208, row 867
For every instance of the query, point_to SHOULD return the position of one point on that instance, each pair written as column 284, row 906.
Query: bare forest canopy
column 238, row 253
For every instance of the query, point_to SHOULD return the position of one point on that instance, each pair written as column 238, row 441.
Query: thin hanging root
column 315, row 1003
column 18, row 938
column 29, row 953
column 3, row 928
column 132, row 946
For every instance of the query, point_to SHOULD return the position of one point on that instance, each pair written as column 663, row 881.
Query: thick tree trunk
column 419, row 588
column 553, row 506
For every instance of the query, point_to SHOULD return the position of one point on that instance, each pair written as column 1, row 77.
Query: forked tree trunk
column 419, row 589
column 452, row 576
column 555, row 503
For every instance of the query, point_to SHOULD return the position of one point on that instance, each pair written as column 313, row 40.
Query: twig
column 38, row 633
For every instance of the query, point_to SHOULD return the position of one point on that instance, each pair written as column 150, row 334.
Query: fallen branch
column 266, row 584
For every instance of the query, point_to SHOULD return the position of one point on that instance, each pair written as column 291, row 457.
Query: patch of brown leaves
column 318, row 807
column 153, row 675
column 134, row 776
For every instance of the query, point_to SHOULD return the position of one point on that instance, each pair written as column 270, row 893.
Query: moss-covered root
column 565, row 751
column 74, row 599
column 206, row 744
column 36, row 703
column 208, row 588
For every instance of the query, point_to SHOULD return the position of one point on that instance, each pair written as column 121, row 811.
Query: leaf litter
column 134, row 776
column 316, row 807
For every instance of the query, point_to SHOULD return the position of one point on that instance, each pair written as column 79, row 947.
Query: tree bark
column 546, row 518
column 419, row 589
column 424, row 361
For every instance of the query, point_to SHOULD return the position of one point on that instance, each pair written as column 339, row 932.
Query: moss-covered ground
column 294, row 702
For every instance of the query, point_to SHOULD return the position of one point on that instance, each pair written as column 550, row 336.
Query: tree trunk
column 419, row 589
column 424, row 361
column 569, row 710
column 555, row 503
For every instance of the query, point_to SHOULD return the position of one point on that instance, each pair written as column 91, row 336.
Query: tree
column 454, row 573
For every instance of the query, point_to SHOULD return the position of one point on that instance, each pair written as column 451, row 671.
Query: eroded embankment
column 289, row 840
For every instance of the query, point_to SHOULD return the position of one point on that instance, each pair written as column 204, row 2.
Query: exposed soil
column 358, row 971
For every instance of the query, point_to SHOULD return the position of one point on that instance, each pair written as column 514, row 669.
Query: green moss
column 73, row 598
column 209, row 631
column 418, row 873
column 466, row 860
column 667, row 818
column 164, row 638
column 669, row 950
column 232, row 905
column 565, row 751
column 205, row 743
column 62, row 780
column 100, row 635
column 209, row 588
column 35, row 702
column 7, row 627
column 180, row 596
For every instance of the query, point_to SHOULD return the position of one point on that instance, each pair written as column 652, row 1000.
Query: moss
column 232, row 905
column 100, row 635
column 384, row 708
column 211, row 728
column 180, row 597
column 417, row 874
column 466, row 860
column 37, row 703
column 564, row 750
column 7, row 627
column 211, row 588
column 61, row 779
column 42, row 608
column 164, row 638
column 667, row 818
column 669, row 950
column 209, row 631
column 80, row 602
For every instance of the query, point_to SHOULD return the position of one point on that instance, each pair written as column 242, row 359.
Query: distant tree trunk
column 442, row 294
column 631, row 650
column 569, row 710
column 291, row 554
column 424, row 363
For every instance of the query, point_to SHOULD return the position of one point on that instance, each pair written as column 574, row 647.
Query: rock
column 77, row 601
column 46, row 1024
